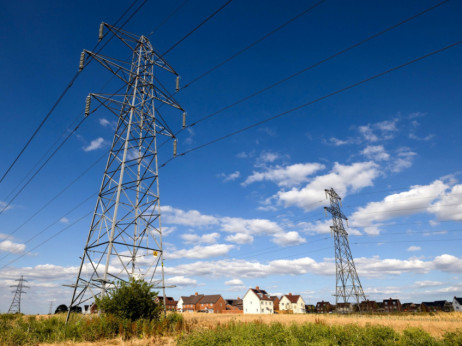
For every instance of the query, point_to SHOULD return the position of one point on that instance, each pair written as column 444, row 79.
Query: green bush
column 133, row 300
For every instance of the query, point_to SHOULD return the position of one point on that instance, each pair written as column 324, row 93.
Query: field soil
column 435, row 325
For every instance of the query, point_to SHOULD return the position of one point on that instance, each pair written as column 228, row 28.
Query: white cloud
column 403, row 160
column 448, row 263
column 285, row 176
column 426, row 138
column 249, row 226
column 106, row 123
column 367, row 133
column 187, row 218
column 416, row 200
column 180, row 281
column 376, row 153
column 64, row 220
column 9, row 246
column 342, row 178
column 215, row 250
column 95, row 144
column 427, row 283
column 383, row 130
column 289, row 238
column 240, row 238
column 338, row 142
column 190, row 139
column 4, row 206
column 230, row 177
column 234, row 282
column 414, row 248
column 191, row 238
column 449, row 206
column 268, row 156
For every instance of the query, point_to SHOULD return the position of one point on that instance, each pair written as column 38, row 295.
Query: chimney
column 290, row 294
column 257, row 288
column 195, row 294
column 238, row 298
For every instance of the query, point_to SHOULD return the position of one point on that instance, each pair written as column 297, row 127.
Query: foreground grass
column 34, row 330
column 258, row 333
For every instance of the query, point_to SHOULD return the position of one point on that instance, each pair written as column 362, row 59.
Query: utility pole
column 347, row 281
column 125, row 236
column 50, row 311
column 15, row 306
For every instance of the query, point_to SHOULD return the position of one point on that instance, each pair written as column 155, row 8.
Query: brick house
column 368, row 306
column 234, row 304
column 213, row 303
column 190, row 303
column 392, row 305
column 410, row 307
column 276, row 301
column 324, row 307
column 170, row 304
column 438, row 305
column 344, row 308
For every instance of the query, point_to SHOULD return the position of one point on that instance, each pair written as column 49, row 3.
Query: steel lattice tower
column 347, row 281
column 15, row 306
column 125, row 236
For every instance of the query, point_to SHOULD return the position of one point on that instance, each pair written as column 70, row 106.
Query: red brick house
column 324, row 307
column 170, row 303
column 275, row 300
column 190, row 303
column 211, row 303
column 392, row 305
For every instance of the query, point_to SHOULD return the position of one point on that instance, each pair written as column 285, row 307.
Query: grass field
column 435, row 324
column 217, row 329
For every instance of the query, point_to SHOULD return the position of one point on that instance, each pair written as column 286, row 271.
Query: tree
column 76, row 309
column 61, row 308
column 132, row 300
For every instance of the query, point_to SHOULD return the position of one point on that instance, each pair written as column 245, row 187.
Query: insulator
column 87, row 105
column 177, row 83
column 184, row 119
column 82, row 60
column 101, row 29
column 174, row 147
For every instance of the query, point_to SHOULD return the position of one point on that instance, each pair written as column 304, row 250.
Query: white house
column 292, row 302
column 257, row 301
column 457, row 304
column 179, row 305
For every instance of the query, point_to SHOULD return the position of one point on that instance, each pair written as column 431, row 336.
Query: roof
column 459, row 300
column 261, row 294
column 292, row 298
column 210, row 299
column 273, row 298
column 192, row 299
column 168, row 299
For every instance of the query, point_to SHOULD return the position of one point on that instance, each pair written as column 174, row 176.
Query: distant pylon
column 125, row 236
column 15, row 306
column 347, row 281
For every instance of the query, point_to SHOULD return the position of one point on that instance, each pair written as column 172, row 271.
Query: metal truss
column 15, row 306
column 125, row 237
column 347, row 283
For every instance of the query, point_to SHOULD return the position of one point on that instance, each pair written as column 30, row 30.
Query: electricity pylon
column 125, row 236
column 15, row 306
column 347, row 281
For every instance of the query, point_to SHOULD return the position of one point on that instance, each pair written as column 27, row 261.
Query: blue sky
column 248, row 210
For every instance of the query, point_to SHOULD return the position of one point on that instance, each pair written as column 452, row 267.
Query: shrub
column 133, row 300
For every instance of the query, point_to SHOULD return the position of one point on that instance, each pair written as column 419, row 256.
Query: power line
column 320, row 62
column 168, row 18
column 351, row 86
column 61, row 96
column 197, row 27
column 309, row 9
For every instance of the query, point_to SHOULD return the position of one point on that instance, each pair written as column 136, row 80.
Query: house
column 368, row 306
column 457, row 304
column 257, row 301
column 234, row 304
column 294, row 303
column 410, row 307
column 324, row 307
column 344, row 308
column 275, row 300
column 190, row 303
column 438, row 305
column 170, row 304
column 391, row 305
column 213, row 303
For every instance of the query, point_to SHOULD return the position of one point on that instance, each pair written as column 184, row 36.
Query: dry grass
column 435, row 325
